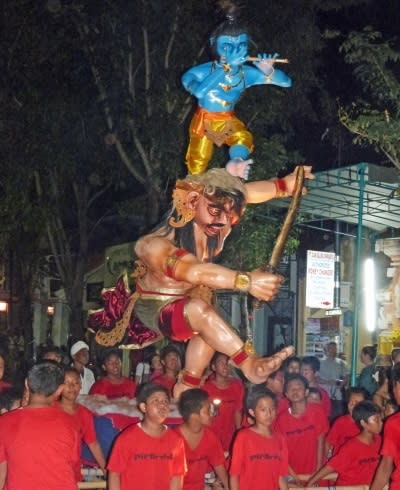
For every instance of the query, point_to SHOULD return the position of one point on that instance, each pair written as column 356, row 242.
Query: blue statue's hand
column 237, row 57
column 265, row 63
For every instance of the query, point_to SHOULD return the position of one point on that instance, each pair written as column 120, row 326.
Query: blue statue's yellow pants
column 209, row 128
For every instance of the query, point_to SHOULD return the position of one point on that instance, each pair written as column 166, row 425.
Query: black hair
column 47, row 349
column 394, row 353
column 256, row 393
column 395, row 374
column 216, row 356
column 356, row 390
column 312, row 362
column 8, row 397
column 363, row 411
column 384, row 373
column 167, row 350
column 295, row 377
column 109, row 353
column 71, row 369
column 45, row 377
column 291, row 359
column 148, row 389
column 370, row 351
column 274, row 374
column 191, row 401
column 313, row 389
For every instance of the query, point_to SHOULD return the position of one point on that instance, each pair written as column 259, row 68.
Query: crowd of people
column 304, row 427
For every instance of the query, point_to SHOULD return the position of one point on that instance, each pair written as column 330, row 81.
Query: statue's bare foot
column 179, row 388
column 239, row 168
column 257, row 369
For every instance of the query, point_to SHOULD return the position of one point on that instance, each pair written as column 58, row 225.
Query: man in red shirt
column 39, row 445
column 227, row 394
column 389, row 467
column 304, row 426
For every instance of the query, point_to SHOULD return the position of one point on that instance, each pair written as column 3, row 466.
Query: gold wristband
column 242, row 282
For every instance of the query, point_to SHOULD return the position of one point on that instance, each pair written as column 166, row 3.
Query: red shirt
column 343, row 429
column 166, row 381
column 83, row 421
column 391, row 447
column 103, row 386
column 208, row 453
column 223, row 424
column 259, row 461
column 41, row 447
column 302, row 435
column 356, row 462
column 147, row 462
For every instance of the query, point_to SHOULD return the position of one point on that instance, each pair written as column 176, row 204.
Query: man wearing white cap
column 80, row 358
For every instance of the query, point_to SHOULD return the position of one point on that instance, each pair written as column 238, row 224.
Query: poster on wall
column 320, row 279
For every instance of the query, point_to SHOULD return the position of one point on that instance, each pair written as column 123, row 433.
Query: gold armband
column 242, row 282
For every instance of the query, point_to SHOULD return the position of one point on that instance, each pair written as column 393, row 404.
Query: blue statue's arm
column 200, row 79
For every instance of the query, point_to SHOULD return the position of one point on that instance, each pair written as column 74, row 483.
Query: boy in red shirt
column 309, row 368
column 82, row 417
column 113, row 385
column 389, row 466
column 358, row 458
column 344, row 427
column 304, row 426
column 259, row 456
column 227, row 393
column 170, row 358
column 148, row 455
column 202, row 447
column 39, row 445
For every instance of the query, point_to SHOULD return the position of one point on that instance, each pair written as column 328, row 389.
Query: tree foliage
column 374, row 117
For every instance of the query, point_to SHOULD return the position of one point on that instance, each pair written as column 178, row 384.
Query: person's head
column 51, row 353
column 292, row 365
column 261, row 405
column 80, row 353
column 368, row 354
column 112, row 363
column 170, row 359
column 395, row 355
column 72, row 384
column 220, row 365
column 355, row 395
column 206, row 205
column 395, row 381
column 314, row 395
column 196, row 403
column 45, row 379
column 296, row 388
column 391, row 407
column 275, row 382
column 309, row 367
column 153, row 401
column 10, row 399
column 331, row 350
column 155, row 362
column 368, row 417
